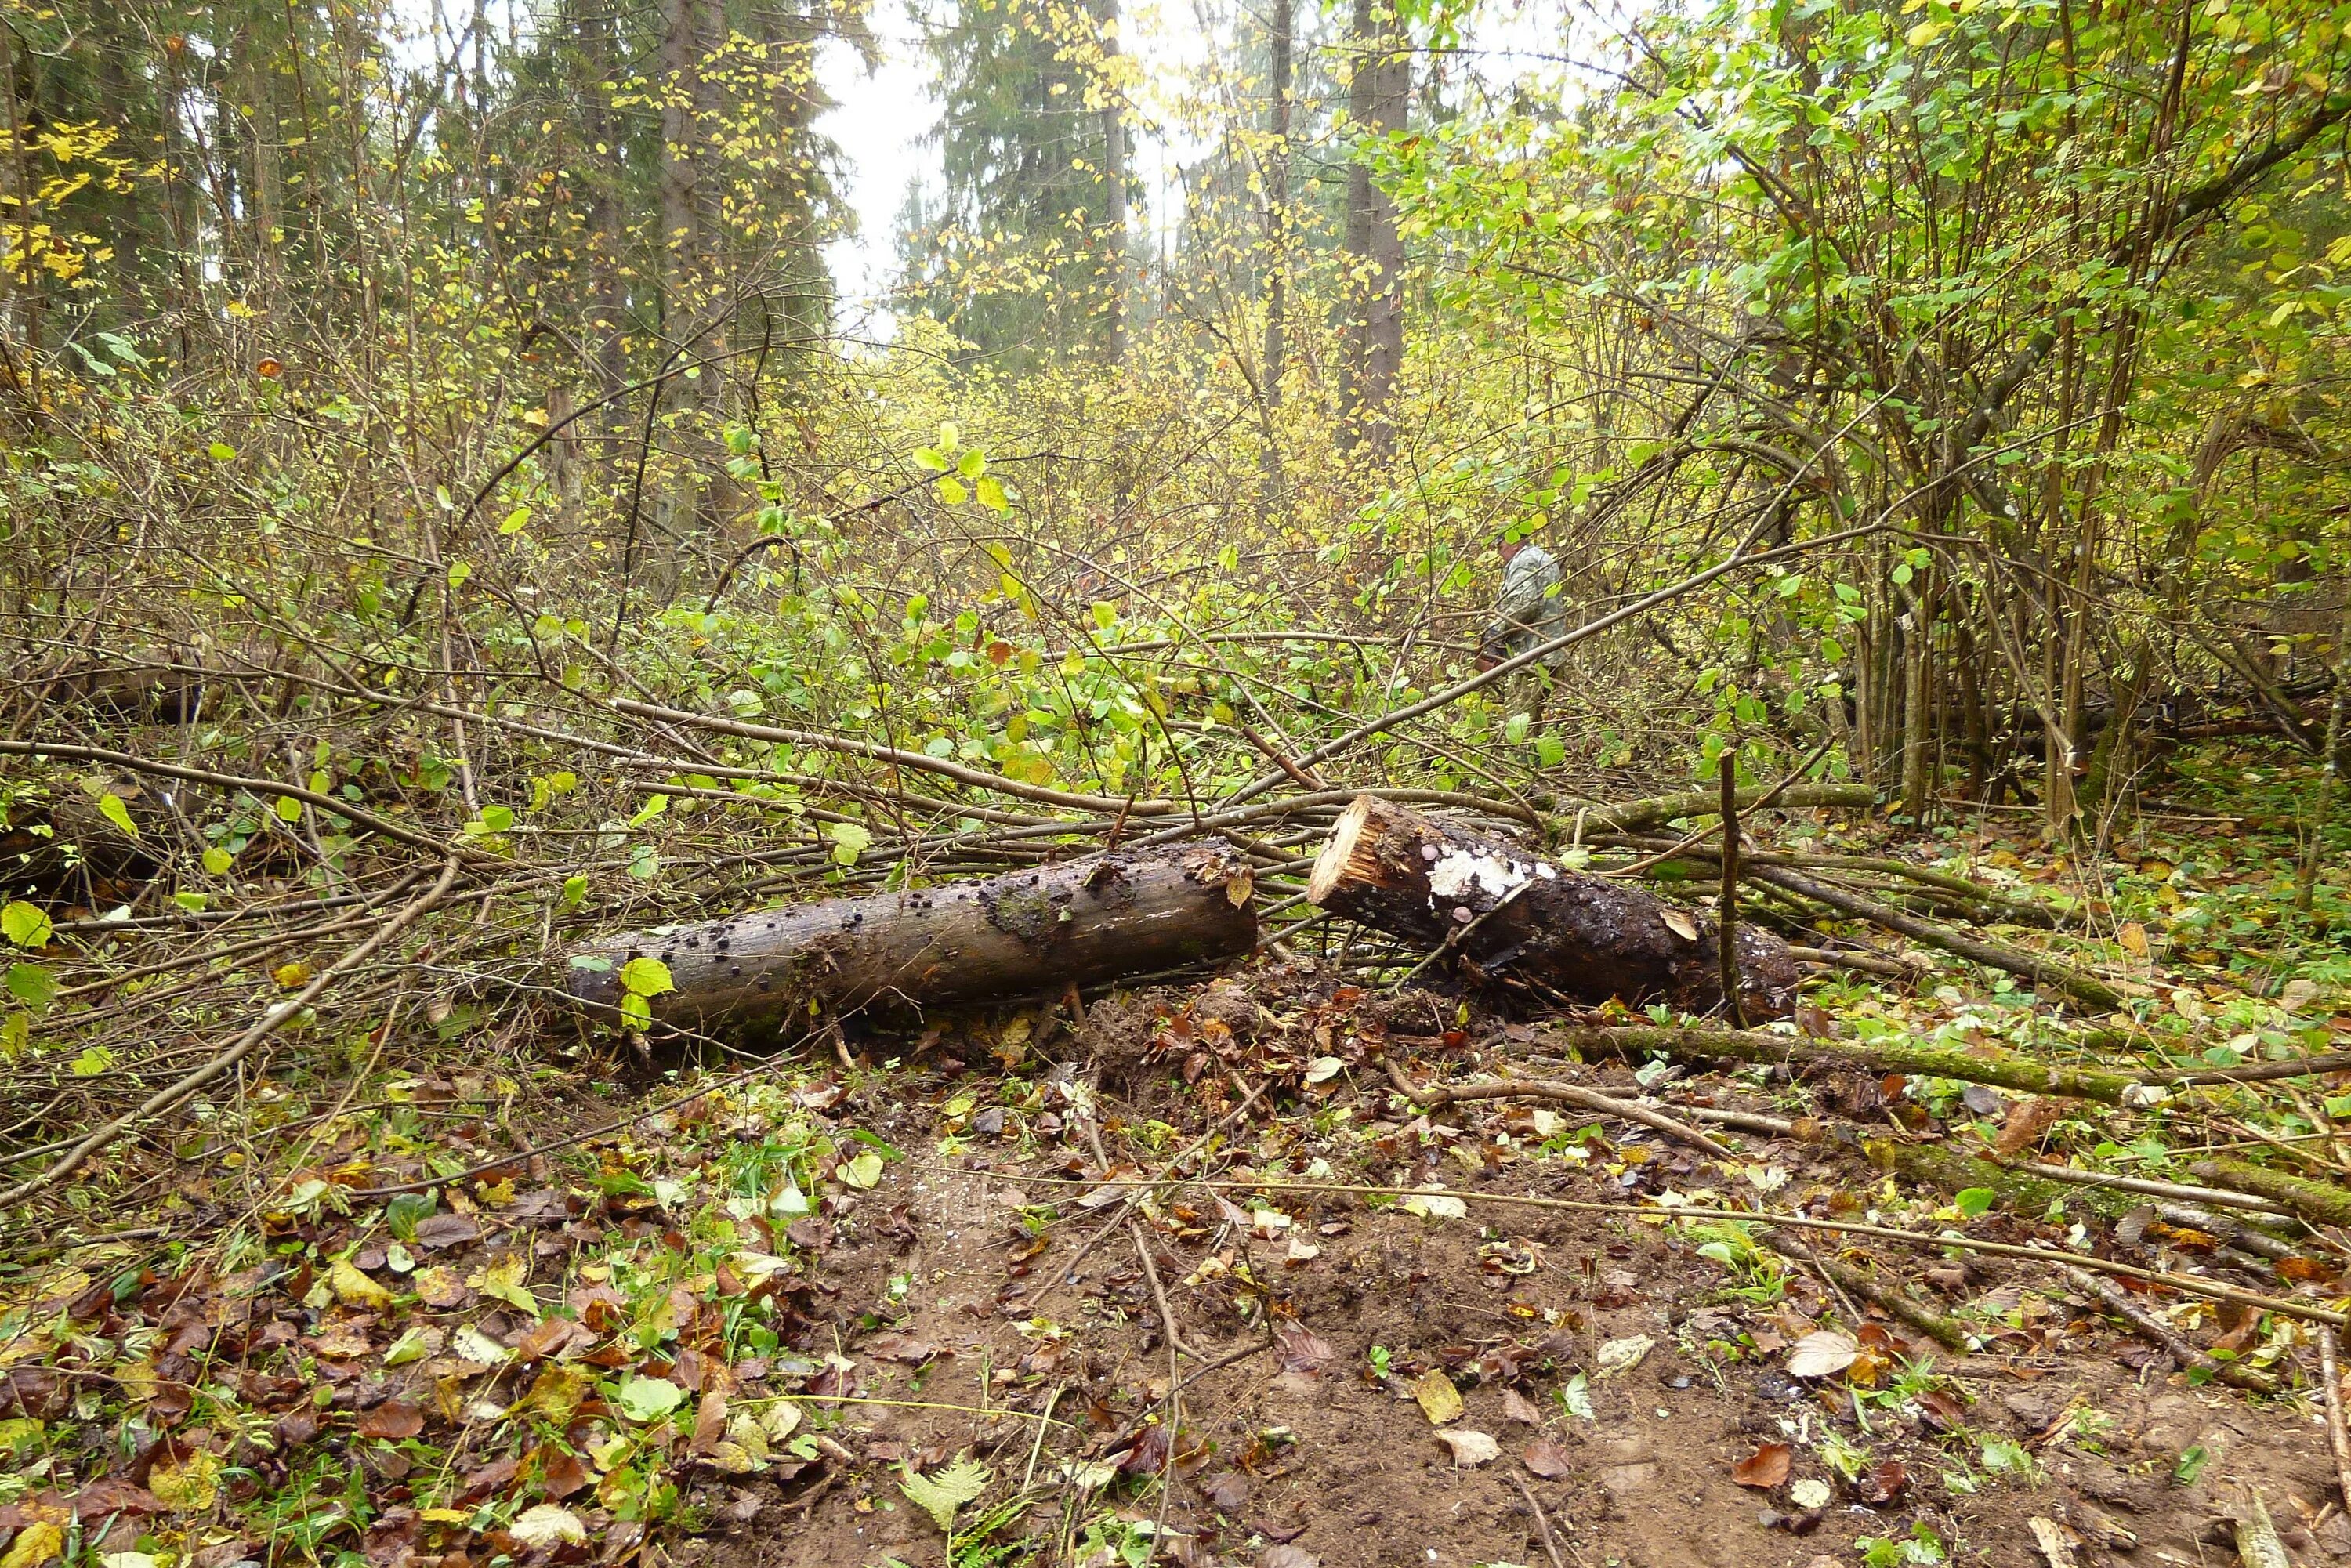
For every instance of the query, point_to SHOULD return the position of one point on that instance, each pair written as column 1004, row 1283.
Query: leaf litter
column 687, row 1330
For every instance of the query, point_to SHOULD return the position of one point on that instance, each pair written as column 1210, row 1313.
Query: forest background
column 449, row 507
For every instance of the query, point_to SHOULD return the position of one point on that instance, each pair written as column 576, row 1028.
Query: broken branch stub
column 1021, row 934
column 1509, row 912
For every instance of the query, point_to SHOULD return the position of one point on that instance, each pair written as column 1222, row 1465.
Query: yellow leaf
column 1680, row 925
column 110, row 806
column 1240, row 885
column 291, row 977
column 191, row 1485
column 556, row 1394
column 503, row 1279
column 2132, row 937
column 354, row 1289
column 444, row 1515
column 34, row 1545
column 1440, row 1400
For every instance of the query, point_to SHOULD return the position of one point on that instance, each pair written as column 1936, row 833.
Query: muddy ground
column 1629, row 1380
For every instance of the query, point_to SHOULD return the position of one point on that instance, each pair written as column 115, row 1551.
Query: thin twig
column 1549, row 1546
column 1591, row 1100
column 237, row 1049
column 2150, row 1327
column 2339, row 1436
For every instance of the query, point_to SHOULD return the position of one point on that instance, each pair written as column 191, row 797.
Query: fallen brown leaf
column 1887, row 1480
column 1546, row 1458
column 2028, row 1123
column 1764, row 1468
column 393, row 1421
column 1470, row 1447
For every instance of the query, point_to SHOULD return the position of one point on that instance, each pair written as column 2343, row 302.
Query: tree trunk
column 1277, row 203
column 1510, row 915
column 1023, row 933
column 1915, row 715
column 1113, row 133
column 679, row 157
column 1375, row 102
column 607, row 307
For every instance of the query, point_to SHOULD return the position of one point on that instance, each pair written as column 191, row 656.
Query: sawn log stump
column 1513, row 914
column 1021, row 934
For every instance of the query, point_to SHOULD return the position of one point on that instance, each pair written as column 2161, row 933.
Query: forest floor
column 1057, row 1285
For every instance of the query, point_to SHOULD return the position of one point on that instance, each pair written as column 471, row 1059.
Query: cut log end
column 1339, row 863
column 1516, row 917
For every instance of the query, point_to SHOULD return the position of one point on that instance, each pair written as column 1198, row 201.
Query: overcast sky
column 884, row 117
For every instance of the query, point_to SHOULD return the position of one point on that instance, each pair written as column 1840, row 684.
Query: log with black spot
column 1515, row 915
column 1025, row 932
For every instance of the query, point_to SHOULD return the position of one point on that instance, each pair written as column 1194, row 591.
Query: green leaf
column 1550, row 751
column 972, row 464
column 575, row 890
column 1972, row 1201
column 646, row 976
column 862, row 1172
column 289, row 810
column 32, row 984
column 931, row 459
column 951, row 493
column 649, row 1398
column 405, row 1209
column 93, row 1061
column 110, row 806
column 1577, row 1396
column 25, row 925
column 940, row 1493
column 517, row 520
column 221, row 451
column 1105, row 615
column 193, row 903
column 217, row 861
column 991, row 495
column 848, row 841
column 1515, row 728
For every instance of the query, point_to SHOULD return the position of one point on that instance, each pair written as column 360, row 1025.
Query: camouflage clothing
column 1530, row 610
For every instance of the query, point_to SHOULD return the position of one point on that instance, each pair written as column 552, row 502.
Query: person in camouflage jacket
column 1529, row 610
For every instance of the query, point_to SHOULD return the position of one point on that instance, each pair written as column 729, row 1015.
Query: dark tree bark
column 1375, row 102
column 1017, row 934
column 1277, row 203
column 1513, row 915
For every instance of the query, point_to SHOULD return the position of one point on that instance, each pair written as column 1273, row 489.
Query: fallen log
column 2037, row 967
column 1026, row 932
column 2318, row 1202
column 2008, row 1071
column 1507, row 911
